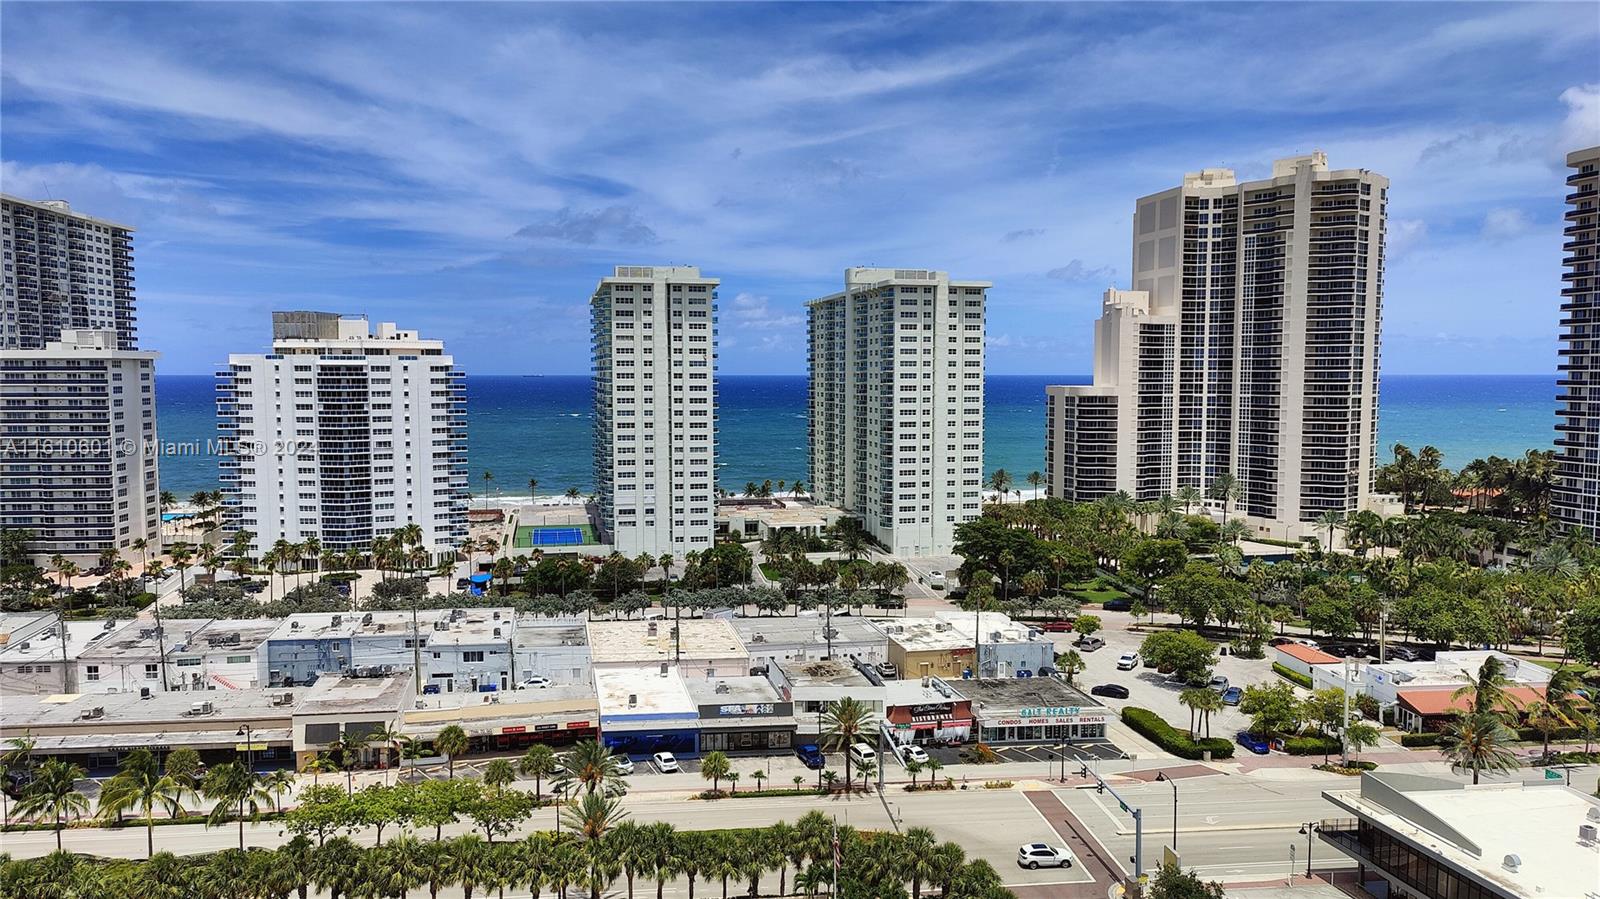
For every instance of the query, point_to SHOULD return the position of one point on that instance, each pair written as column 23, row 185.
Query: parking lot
column 1148, row 689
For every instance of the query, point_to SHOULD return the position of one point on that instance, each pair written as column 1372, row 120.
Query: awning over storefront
column 160, row 741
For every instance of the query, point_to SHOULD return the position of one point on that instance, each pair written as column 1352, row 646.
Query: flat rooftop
column 489, row 713
column 1476, row 827
column 912, row 692
column 733, row 691
column 339, row 695
column 19, row 712
column 537, row 633
column 996, row 695
column 45, row 646
column 639, row 691
column 927, row 634
column 12, row 623
column 824, row 673
column 806, row 630
column 140, row 639
column 781, row 513
column 612, row 642
column 469, row 627
column 231, row 634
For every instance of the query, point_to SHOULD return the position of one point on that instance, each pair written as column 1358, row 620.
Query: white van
column 861, row 753
column 936, row 580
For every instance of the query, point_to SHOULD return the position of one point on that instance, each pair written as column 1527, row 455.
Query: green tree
column 1478, row 742
column 1152, row 560
column 590, row 764
column 1185, row 653
column 714, row 767
column 451, row 742
column 1070, row 664
column 53, row 794
column 538, row 762
column 844, row 720
column 1273, row 709
column 1490, row 692
column 501, row 812
column 1087, row 625
column 139, row 784
column 236, row 791
column 499, row 774
column 1170, row 882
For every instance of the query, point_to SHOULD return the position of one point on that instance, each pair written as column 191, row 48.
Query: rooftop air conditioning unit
column 497, row 616
column 380, row 628
column 1588, row 833
column 996, row 636
column 633, row 700
column 144, row 693
column 294, row 625
column 651, row 629
column 759, row 638
column 200, row 708
column 497, row 632
column 338, row 620
column 96, row 712
column 23, row 645
column 663, row 669
column 1512, row 863
column 724, row 688
column 366, row 619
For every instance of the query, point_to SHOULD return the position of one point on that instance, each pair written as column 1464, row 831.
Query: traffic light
column 1100, row 787
column 1083, row 771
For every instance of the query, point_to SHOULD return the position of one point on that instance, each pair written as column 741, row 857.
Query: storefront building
column 1034, row 710
column 743, row 714
column 929, row 710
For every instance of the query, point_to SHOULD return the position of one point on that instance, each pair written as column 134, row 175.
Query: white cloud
column 1504, row 223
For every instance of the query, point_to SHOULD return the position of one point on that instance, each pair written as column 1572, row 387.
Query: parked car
column 1117, row 605
column 462, row 583
column 1232, row 695
column 1040, row 855
column 811, row 756
column 252, row 586
column 1056, row 627
column 1402, row 654
column 1217, row 684
column 534, row 682
column 1115, row 691
column 1251, row 742
column 624, row 765
column 1127, row 661
column 911, row 752
column 1088, row 644
column 1281, row 641
column 887, row 670
column 665, row 763
column 861, row 752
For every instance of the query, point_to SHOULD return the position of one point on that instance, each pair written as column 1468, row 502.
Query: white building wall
column 896, row 400
column 654, row 336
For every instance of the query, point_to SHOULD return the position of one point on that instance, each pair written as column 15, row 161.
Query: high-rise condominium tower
column 78, row 466
column 655, row 408
column 344, row 434
column 896, row 402
column 63, row 271
column 77, row 439
column 1247, row 350
column 1576, row 501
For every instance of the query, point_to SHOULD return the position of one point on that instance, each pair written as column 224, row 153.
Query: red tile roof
column 1438, row 701
column 1307, row 654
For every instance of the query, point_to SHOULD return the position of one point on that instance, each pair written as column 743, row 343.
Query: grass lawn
column 771, row 571
column 1091, row 594
column 1553, row 664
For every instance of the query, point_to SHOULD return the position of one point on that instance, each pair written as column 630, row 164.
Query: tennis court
column 554, row 535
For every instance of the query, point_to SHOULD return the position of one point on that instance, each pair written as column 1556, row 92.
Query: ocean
column 539, row 426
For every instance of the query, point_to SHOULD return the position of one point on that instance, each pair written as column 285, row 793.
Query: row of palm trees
column 606, row 852
column 1481, row 736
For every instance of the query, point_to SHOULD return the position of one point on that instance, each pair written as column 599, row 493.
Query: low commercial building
column 1418, row 694
column 557, row 648
column 941, row 646
column 812, row 686
column 751, row 518
column 1301, row 659
column 1034, row 710
column 96, row 730
column 338, row 704
column 743, row 714
column 453, row 649
column 646, row 710
column 510, row 721
column 812, row 636
column 134, row 655
column 40, row 663
column 703, row 648
column 224, row 654
column 1431, row 838
column 928, row 710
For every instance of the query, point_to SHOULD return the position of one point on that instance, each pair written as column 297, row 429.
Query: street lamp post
column 249, row 748
column 1162, row 777
column 1310, row 829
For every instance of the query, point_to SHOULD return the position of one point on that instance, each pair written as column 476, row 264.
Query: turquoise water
column 522, row 427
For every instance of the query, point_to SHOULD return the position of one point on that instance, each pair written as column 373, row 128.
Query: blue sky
column 471, row 170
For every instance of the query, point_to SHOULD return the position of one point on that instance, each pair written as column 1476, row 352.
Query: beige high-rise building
column 1248, row 348
column 654, row 332
column 896, row 402
column 1576, row 501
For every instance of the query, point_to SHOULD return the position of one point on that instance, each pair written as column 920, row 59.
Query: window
column 472, row 656
column 91, row 672
column 152, row 671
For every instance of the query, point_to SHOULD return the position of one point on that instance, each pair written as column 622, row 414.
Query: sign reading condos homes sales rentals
column 1054, row 715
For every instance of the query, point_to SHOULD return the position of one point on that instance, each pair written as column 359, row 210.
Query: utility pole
column 1344, row 723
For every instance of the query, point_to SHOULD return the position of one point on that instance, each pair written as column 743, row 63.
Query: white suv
column 1127, row 661
column 1040, row 855
column 862, row 753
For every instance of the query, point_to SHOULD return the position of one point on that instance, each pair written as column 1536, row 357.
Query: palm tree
column 333, row 867
column 1479, row 741
column 714, row 767
column 1000, row 482
column 591, row 818
column 660, row 844
column 277, row 783
column 318, row 766
column 451, row 741
column 1330, row 520
column 487, row 477
column 139, row 784
column 844, row 720
column 1490, row 692
column 499, row 774
column 538, row 762
column 920, row 858
column 53, row 793
column 1191, row 700
column 1225, row 488
column 591, row 764
column 1070, row 664
column 231, row 785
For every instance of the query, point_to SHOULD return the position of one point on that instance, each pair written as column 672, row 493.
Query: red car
column 1056, row 627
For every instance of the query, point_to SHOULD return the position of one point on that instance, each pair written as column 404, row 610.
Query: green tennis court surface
column 554, row 535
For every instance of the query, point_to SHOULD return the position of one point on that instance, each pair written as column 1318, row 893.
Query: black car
column 1117, row 605
column 253, row 586
column 1115, row 691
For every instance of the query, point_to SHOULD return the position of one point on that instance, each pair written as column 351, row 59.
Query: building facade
column 78, row 416
column 344, row 434
column 895, row 363
column 654, row 333
column 1576, row 500
column 1248, row 347
column 64, row 271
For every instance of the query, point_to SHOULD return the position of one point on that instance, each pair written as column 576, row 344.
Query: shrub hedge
column 1171, row 739
column 1291, row 675
column 1413, row 741
column 1311, row 744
